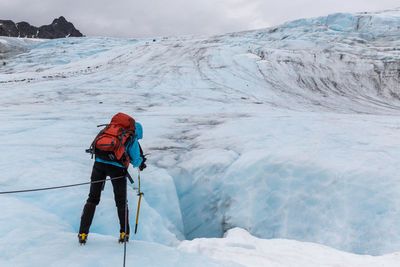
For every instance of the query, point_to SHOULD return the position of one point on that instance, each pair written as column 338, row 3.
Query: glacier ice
column 287, row 132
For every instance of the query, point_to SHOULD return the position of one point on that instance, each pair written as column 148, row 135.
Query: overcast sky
column 151, row 18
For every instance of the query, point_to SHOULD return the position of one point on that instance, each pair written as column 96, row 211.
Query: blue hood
column 139, row 130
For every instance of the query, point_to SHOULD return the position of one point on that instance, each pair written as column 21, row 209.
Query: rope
column 71, row 185
column 58, row 187
column 126, row 219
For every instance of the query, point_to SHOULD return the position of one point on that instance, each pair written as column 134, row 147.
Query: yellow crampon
column 82, row 238
column 122, row 237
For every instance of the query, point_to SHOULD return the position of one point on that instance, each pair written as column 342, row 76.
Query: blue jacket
column 132, row 148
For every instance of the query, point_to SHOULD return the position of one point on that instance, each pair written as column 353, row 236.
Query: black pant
column 100, row 172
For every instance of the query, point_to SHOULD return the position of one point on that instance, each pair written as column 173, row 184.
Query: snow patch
column 239, row 247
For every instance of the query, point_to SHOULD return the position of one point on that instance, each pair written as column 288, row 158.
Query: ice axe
column 140, row 194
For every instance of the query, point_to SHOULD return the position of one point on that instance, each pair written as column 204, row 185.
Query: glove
column 142, row 166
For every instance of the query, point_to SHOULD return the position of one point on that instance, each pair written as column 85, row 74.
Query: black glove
column 142, row 166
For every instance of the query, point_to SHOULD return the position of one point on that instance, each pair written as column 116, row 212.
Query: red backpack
column 110, row 144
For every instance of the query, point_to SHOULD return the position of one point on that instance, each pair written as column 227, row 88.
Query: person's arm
column 141, row 151
column 135, row 154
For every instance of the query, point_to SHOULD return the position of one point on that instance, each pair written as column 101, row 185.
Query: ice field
column 272, row 147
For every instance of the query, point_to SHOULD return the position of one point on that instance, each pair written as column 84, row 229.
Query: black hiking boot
column 123, row 238
column 82, row 238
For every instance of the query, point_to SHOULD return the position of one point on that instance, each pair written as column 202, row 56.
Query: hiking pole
column 140, row 194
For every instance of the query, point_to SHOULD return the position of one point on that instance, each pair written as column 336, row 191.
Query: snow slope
column 288, row 132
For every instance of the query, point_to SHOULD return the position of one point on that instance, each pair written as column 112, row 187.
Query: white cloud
column 133, row 18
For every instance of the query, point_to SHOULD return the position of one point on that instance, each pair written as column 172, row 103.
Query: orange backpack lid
column 125, row 121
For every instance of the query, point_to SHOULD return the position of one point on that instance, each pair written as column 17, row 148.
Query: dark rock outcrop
column 27, row 30
column 59, row 28
column 8, row 28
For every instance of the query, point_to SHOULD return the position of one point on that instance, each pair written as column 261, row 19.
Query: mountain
column 59, row 28
column 289, row 133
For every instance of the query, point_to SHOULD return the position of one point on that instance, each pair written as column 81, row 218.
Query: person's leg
column 119, row 186
column 98, row 173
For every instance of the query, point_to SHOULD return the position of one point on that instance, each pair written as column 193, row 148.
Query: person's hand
column 142, row 166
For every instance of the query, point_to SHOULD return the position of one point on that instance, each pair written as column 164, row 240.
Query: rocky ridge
column 59, row 28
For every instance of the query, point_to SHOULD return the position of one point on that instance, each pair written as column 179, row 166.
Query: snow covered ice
column 273, row 147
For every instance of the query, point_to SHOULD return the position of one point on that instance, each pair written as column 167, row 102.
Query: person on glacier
column 113, row 161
